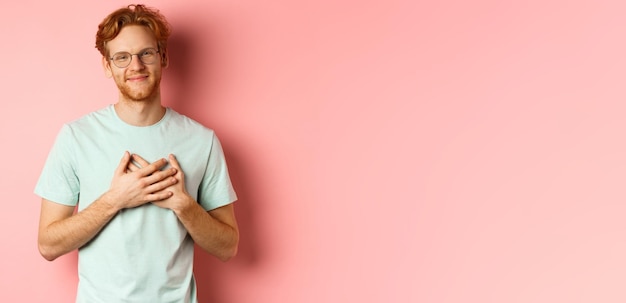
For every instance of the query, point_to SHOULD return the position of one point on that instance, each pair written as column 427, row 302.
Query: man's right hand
column 132, row 188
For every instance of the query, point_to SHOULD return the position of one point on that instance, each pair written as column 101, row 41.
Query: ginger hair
column 134, row 14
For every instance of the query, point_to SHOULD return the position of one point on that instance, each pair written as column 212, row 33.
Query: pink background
column 383, row 151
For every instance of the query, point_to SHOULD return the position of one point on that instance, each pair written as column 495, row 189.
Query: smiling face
column 137, row 82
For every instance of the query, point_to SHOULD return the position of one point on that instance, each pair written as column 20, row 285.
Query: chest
column 98, row 156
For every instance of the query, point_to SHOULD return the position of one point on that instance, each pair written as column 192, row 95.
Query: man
column 135, row 220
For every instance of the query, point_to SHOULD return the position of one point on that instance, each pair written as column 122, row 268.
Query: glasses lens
column 148, row 56
column 121, row 59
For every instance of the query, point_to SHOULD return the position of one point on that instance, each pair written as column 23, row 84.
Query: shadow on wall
column 208, row 270
column 178, row 74
column 189, row 77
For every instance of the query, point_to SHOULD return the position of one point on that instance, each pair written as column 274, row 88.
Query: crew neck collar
column 122, row 122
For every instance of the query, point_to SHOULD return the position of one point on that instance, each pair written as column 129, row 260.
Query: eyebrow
column 126, row 51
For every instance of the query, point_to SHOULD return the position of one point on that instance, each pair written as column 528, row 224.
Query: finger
column 132, row 167
column 139, row 160
column 158, row 196
column 155, row 166
column 160, row 175
column 176, row 165
column 161, row 185
column 121, row 168
column 174, row 161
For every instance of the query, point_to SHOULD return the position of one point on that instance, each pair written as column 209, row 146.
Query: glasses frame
column 139, row 55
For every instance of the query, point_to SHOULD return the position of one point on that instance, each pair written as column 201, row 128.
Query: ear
column 106, row 65
column 165, row 60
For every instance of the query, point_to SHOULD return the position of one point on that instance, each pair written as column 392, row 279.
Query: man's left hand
column 180, row 198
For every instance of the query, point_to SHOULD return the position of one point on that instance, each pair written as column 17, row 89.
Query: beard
column 145, row 92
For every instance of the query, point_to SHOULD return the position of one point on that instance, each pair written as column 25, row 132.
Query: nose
column 135, row 63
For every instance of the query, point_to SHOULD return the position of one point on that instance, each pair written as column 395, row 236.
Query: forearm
column 65, row 235
column 217, row 236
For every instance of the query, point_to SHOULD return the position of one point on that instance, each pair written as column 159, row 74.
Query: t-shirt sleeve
column 58, row 181
column 216, row 190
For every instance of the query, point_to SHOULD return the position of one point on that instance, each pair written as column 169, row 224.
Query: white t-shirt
column 143, row 254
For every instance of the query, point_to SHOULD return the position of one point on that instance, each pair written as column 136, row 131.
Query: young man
column 136, row 219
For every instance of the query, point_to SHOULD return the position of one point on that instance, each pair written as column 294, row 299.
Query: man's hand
column 214, row 231
column 178, row 196
column 134, row 186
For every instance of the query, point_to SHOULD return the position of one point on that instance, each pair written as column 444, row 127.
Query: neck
column 139, row 113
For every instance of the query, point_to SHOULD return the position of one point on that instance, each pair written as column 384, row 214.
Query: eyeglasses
column 146, row 56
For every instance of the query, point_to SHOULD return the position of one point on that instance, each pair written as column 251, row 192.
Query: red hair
column 134, row 14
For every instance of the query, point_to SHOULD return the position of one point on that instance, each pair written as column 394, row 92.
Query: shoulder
column 186, row 124
column 99, row 117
